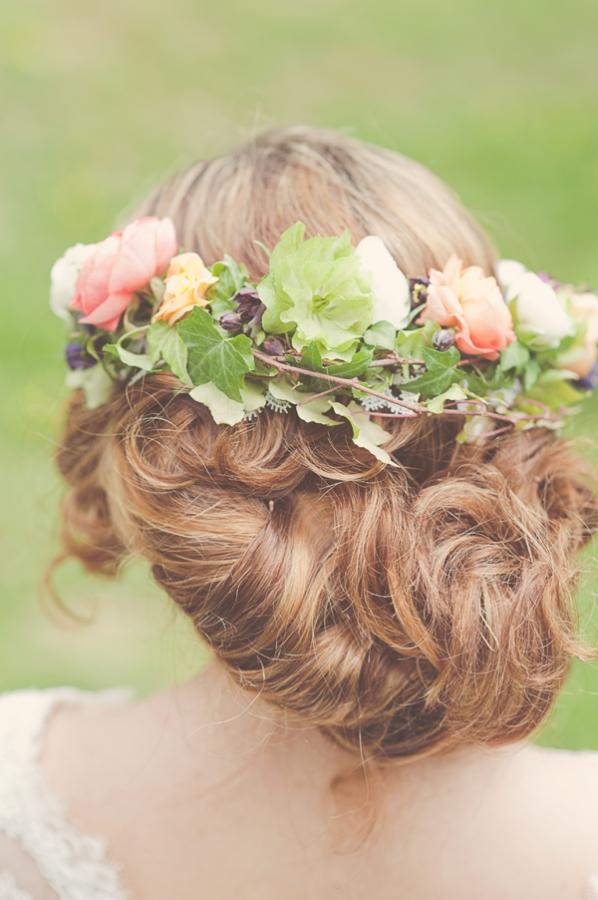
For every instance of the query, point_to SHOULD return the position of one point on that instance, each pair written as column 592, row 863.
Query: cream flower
column 582, row 359
column 187, row 281
column 542, row 320
column 390, row 288
column 507, row 273
column 63, row 278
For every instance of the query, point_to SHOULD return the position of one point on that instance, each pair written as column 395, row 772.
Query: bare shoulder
column 553, row 823
column 521, row 819
column 568, row 779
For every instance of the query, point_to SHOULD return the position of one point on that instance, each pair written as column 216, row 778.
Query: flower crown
column 332, row 332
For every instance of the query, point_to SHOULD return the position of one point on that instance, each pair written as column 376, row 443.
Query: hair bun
column 401, row 611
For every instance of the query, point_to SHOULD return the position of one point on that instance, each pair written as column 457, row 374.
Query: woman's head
column 403, row 610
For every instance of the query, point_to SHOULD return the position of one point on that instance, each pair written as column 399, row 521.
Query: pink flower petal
column 108, row 314
column 92, row 282
column 166, row 244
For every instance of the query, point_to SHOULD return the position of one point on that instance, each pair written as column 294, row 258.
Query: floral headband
column 332, row 332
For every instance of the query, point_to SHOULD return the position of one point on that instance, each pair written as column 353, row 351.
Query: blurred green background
column 100, row 100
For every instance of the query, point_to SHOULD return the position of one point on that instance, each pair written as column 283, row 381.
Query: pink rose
column 121, row 266
column 471, row 303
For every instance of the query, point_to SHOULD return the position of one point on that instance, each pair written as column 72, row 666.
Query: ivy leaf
column 352, row 368
column 164, row 342
column 308, row 409
column 514, row 356
column 440, row 374
column 366, row 434
column 355, row 367
column 382, row 335
column 231, row 278
column 225, row 411
column 455, row 392
column 491, row 379
column 311, row 358
column 412, row 343
column 213, row 357
column 95, row 383
column 313, row 411
column 134, row 360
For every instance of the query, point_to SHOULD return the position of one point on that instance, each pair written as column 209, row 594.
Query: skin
column 206, row 791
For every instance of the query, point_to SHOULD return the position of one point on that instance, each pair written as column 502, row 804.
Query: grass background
column 100, row 100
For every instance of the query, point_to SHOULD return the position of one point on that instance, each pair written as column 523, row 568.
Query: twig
column 406, row 404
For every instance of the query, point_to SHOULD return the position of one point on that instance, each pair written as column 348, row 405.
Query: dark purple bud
column 590, row 381
column 77, row 358
column 419, row 290
column 249, row 306
column 443, row 339
column 230, row 321
column 273, row 346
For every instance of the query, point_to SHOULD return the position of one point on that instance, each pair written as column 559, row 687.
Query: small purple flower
column 418, row 288
column 590, row 381
column 444, row 339
column 249, row 306
column 273, row 346
column 548, row 279
column 77, row 357
column 230, row 321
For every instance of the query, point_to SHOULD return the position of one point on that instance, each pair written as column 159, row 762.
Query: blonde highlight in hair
column 402, row 610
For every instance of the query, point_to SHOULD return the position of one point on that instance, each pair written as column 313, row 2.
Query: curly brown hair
column 402, row 610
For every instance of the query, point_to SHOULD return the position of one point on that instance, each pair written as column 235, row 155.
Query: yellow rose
column 187, row 281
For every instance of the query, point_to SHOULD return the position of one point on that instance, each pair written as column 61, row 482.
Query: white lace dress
column 42, row 856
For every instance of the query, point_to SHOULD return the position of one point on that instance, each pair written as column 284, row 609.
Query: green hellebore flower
column 317, row 291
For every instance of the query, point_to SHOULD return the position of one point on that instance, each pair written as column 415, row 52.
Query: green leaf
column 134, row 360
column 440, row 374
column 95, row 383
column 316, row 290
column 309, row 406
column 231, row 278
column 381, row 334
column 213, row 357
column 164, row 342
column 531, row 373
column 366, row 434
column 514, row 356
column 157, row 287
column 311, row 357
column 352, row 368
column 224, row 410
column 455, row 392
column 411, row 344
column 445, row 359
column 355, row 367
column 554, row 388
column 313, row 411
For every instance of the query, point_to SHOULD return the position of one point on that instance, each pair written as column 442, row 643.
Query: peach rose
column 120, row 266
column 187, row 282
column 471, row 303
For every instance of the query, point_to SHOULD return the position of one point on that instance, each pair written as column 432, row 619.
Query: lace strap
column 74, row 865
